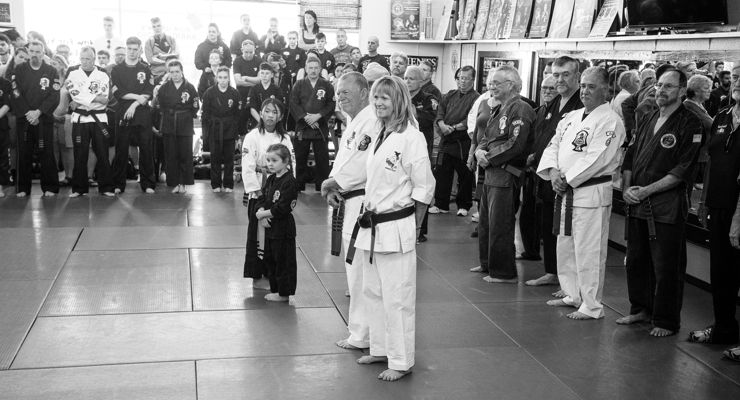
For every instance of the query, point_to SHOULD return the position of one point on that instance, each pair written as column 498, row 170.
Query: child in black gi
column 279, row 196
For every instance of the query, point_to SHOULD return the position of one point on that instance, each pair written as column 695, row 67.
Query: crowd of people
column 654, row 132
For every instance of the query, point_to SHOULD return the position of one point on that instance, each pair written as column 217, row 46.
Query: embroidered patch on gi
column 276, row 196
column 141, row 77
column 549, row 115
column 515, row 132
column 697, row 138
column 502, row 123
column 517, row 122
column 44, row 83
column 293, row 204
column 391, row 163
column 580, row 141
column 611, row 135
column 297, row 57
column 320, row 94
column 185, row 96
column 230, row 103
column 435, row 104
column 351, row 139
column 56, row 85
column 668, row 141
column 328, row 63
column 364, row 143
column 721, row 129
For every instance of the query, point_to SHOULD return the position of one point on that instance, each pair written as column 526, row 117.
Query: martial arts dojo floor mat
column 142, row 296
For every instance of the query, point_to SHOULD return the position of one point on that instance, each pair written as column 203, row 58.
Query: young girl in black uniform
column 275, row 206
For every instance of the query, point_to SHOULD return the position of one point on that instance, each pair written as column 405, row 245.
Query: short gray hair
column 513, row 74
column 402, row 55
column 696, row 82
column 415, row 71
column 629, row 80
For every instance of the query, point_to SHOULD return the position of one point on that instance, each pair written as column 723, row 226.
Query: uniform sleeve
column 249, row 164
column 201, row 59
column 691, row 142
column 629, row 155
column 296, row 108
column 519, row 132
column 330, row 105
column 604, row 146
column 441, row 110
column 51, row 101
column 428, row 112
column 20, row 105
column 628, row 113
column 550, row 154
column 205, row 107
column 472, row 116
column 419, row 169
column 196, row 101
column 252, row 98
column 333, row 64
column 284, row 205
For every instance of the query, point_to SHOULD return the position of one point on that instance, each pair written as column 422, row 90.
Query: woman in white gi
column 400, row 185
column 254, row 174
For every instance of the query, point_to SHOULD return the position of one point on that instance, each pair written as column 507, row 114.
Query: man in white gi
column 579, row 162
column 345, row 191
column 88, row 88
column 400, row 185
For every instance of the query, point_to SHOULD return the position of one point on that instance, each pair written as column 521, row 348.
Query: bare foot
column 559, row 294
column 261, row 283
column 557, row 303
column 344, row 343
column 547, row 279
column 634, row 318
column 391, row 375
column 577, row 315
column 364, row 360
column 490, row 279
column 660, row 332
column 21, row 194
column 276, row 297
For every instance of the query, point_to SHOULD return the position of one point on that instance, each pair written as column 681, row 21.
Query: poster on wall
column 482, row 19
column 5, row 14
column 604, row 21
column 468, row 19
column 486, row 64
column 507, row 19
column 521, row 19
column 561, row 17
column 540, row 18
column 494, row 19
column 583, row 18
column 405, row 20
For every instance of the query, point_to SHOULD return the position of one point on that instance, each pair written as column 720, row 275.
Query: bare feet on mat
column 275, row 297
column 547, row 279
column 557, row 303
column 262, row 284
column 577, row 315
column 634, row 318
column 391, row 375
column 364, row 360
column 559, row 294
column 490, row 279
column 478, row 269
column 661, row 332
column 344, row 343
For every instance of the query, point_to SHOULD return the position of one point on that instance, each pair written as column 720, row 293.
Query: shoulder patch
column 364, row 143
column 517, row 122
column 697, row 138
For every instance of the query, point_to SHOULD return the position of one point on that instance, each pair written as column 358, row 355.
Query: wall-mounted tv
column 670, row 13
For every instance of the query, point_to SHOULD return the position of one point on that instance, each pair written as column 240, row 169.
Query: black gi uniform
column 220, row 118
column 327, row 60
column 279, row 195
column 36, row 89
column 722, row 192
column 426, row 112
column 507, row 144
column 250, row 68
column 544, row 130
column 308, row 99
column 258, row 94
column 295, row 59
column 5, row 99
column 207, row 79
column 203, row 53
column 367, row 59
column 133, row 79
column 453, row 151
column 430, row 88
column 179, row 107
column 656, row 265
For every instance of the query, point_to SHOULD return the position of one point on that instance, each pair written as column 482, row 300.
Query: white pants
column 359, row 332
column 582, row 259
column 390, row 292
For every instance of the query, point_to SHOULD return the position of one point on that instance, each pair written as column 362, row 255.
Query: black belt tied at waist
column 652, row 235
column 369, row 219
column 220, row 122
column 337, row 221
column 94, row 115
column 568, row 228
column 175, row 114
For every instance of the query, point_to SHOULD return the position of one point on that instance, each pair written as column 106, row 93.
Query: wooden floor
column 141, row 297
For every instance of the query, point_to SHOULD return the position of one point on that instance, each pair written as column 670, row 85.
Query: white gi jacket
column 83, row 89
column 583, row 149
column 398, row 173
column 254, row 162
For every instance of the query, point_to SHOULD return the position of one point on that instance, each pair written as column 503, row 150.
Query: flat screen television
column 675, row 13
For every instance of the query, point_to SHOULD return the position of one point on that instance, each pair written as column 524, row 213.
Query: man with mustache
column 658, row 168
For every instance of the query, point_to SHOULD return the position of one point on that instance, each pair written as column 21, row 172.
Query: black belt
column 94, row 115
column 513, row 170
column 652, row 235
column 568, row 228
column 174, row 114
column 369, row 219
column 220, row 122
column 337, row 221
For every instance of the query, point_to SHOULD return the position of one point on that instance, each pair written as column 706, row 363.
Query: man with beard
column 36, row 87
column 399, row 63
column 658, row 168
column 719, row 95
column 567, row 79
column 579, row 163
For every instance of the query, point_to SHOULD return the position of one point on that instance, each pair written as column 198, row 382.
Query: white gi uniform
column 398, row 173
column 83, row 89
column 583, row 149
column 349, row 171
column 254, row 148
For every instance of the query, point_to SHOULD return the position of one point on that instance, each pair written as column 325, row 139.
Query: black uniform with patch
column 656, row 266
column 220, row 118
column 179, row 106
column 279, row 196
column 295, row 59
column 258, row 94
column 36, row 89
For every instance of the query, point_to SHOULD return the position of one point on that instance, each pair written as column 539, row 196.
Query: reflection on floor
column 141, row 297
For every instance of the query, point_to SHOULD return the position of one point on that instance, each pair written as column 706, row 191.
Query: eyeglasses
column 548, row 88
column 667, row 86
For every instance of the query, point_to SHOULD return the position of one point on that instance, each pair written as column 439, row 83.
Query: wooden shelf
column 719, row 41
